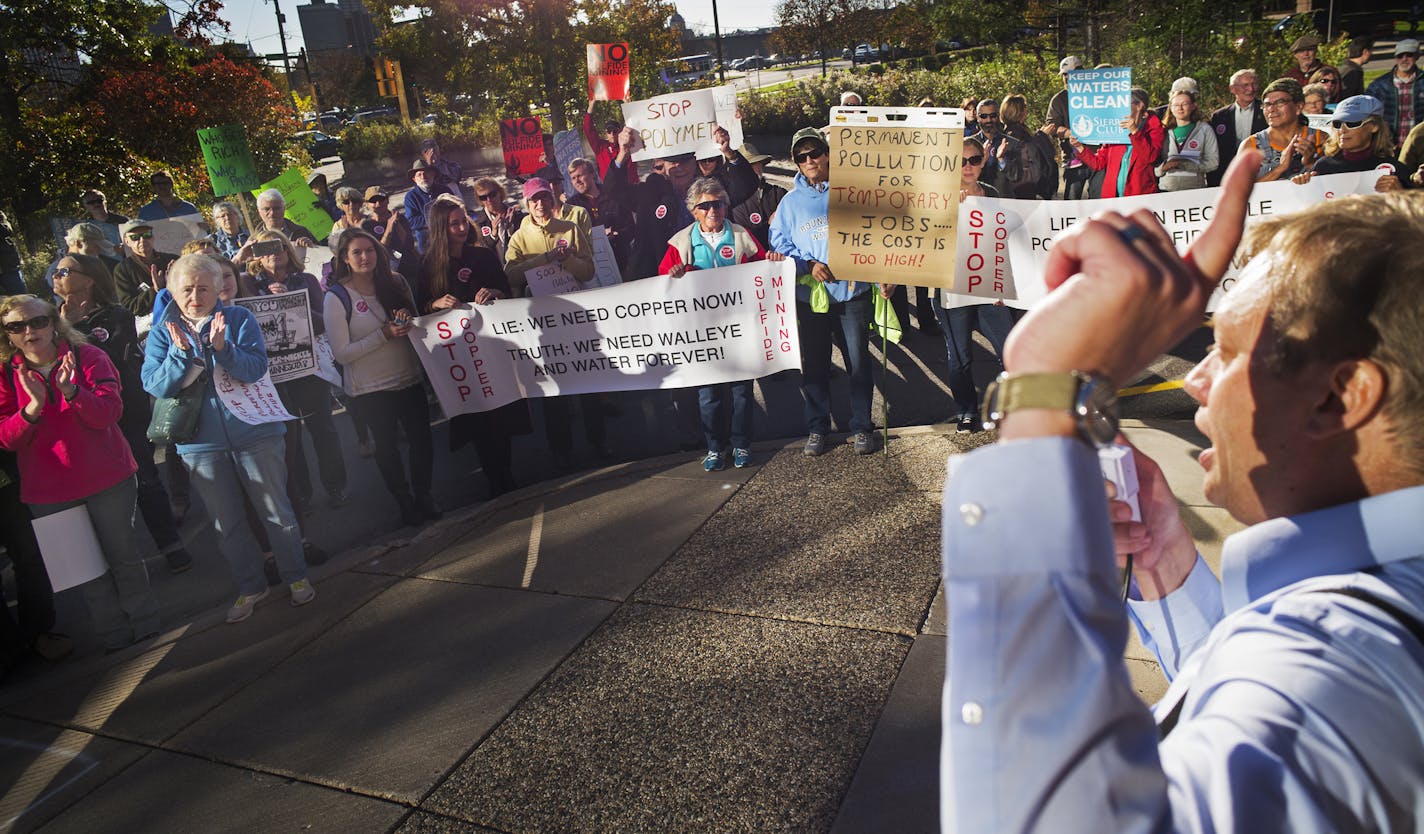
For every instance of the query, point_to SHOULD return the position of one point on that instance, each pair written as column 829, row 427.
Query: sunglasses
column 140, row 235
column 16, row 328
column 485, row 198
column 1355, row 125
column 65, row 272
column 708, row 205
column 813, row 154
column 1407, row 55
column 988, row 117
column 380, row 199
column 977, row 159
column 355, row 202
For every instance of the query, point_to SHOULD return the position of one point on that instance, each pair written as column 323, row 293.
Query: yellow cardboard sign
column 894, row 194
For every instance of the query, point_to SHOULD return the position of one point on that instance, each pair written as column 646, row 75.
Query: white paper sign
column 1003, row 244
column 710, row 326
column 70, row 548
column 551, row 279
column 605, row 264
column 673, row 124
column 1321, row 122
column 254, row 403
column 729, row 115
column 171, row 234
column 326, row 361
column 285, row 319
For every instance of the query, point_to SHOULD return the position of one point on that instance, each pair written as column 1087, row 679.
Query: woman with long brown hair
column 457, row 272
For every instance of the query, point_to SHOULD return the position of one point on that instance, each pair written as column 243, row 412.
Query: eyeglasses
column 708, row 205
column 485, row 198
column 1355, row 125
column 356, row 202
column 811, row 154
column 1280, row 102
column 15, row 328
column 988, row 117
column 977, row 159
column 140, row 235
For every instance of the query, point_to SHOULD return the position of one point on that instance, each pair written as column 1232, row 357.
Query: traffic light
column 387, row 78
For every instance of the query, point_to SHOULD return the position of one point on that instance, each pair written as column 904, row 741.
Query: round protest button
column 363, row 307
column 727, row 252
column 755, row 217
column 463, row 275
column 487, row 231
column 660, row 212
column 380, row 231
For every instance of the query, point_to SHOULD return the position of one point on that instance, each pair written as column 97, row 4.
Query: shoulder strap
column 337, row 289
column 1411, row 624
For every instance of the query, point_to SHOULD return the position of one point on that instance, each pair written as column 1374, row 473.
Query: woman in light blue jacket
column 196, row 337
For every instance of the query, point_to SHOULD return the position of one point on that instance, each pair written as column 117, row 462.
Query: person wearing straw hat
column 755, row 212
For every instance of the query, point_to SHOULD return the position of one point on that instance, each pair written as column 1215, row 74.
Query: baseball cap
column 134, row 225
column 1408, row 45
column 1072, row 62
column 751, row 154
column 1357, row 109
column 808, row 133
column 535, row 185
column 376, row 191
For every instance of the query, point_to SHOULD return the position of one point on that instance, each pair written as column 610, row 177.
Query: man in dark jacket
column 754, row 213
column 1234, row 122
column 1352, row 72
column 604, row 208
column 659, row 201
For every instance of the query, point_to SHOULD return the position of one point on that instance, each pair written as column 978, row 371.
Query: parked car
column 865, row 52
column 775, row 58
column 319, row 145
column 374, row 114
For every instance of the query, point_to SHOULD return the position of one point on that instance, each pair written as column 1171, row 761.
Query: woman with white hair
column 351, row 204
column 196, row 340
column 272, row 208
column 228, row 235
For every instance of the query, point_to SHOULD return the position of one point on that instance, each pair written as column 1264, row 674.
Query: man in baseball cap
column 1401, row 91
column 1075, row 173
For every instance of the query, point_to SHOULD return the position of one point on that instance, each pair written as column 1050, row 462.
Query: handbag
column 175, row 419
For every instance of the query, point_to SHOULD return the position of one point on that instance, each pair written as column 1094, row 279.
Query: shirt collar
column 1346, row 538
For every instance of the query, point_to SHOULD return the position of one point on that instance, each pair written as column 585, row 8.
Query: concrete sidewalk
column 645, row 647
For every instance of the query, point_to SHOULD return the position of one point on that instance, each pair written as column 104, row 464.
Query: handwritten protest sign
column 1098, row 101
column 729, row 114
column 254, row 403
column 171, row 234
column 605, row 264
column 523, row 143
column 302, row 206
column 608, row 72
column 710, row 326
column 1004, row 244
column 285, row 320
column 551, row 279
column 229, row 160
column 672, row 124
column 568, row 146
column 894, row 193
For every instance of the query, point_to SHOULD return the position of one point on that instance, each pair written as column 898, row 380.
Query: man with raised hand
column 1297, row 693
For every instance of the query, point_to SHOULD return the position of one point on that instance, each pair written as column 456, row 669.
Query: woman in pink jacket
column 59, row 412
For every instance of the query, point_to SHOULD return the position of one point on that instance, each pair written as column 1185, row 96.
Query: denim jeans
column 121, row 602
column 385, row 412
column 852, row 320
column 260, row 471
column 958, row 326
column 716, row 429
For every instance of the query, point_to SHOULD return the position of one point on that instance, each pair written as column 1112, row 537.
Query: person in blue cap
column 1362, row 142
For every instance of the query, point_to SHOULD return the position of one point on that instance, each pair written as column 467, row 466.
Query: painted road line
column 1169, row 385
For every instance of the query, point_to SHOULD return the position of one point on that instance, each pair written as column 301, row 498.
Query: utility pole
column 286, row 59
column 716, row 38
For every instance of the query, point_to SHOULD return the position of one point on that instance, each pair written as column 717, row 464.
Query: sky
column 254, row 20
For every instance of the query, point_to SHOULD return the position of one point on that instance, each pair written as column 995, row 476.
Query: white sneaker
column 302, row 592
column 242, row 609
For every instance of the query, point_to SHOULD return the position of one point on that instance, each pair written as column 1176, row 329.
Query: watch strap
column 1017, row 392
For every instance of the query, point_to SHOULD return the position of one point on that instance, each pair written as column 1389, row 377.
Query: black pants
column 383, row 412
column 32, row 588
column 153, row 501
column 558, row 422
column 309, row 399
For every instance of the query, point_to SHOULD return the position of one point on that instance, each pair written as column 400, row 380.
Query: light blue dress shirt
column 1303, row 711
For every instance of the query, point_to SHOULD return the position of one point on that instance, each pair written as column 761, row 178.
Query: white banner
column 1003, row 244
column 683, row 122
column 285, row 319
column 710, row 326
column 254, row 403
column 171, row 234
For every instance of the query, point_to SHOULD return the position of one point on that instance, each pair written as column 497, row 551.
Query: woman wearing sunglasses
column 1361, row 142
column 713, row 241
column 60, row 403
column 496, row 219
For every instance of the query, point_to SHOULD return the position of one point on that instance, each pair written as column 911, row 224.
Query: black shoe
column 409, row 515
column 269, row 568
column 313, row 554
column 428, row 508
column 967, row 425
column 178, row 560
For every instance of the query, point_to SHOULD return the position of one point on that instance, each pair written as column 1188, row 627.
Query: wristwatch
column 1090, row 399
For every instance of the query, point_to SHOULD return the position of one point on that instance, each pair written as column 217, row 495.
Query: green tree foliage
column 513, row 58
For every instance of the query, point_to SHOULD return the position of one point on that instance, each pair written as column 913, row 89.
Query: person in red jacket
column 1129, row 167
column 60, row 404
column 605, row 147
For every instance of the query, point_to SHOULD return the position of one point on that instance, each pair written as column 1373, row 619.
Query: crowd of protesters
column 76, row 398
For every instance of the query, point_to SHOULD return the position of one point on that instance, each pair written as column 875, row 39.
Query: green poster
column 229, row 159
column 302, row 206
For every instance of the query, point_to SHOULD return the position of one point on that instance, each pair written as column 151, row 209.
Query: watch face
column 1098, row 410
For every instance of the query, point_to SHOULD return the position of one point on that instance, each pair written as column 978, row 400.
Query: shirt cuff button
column 971, row 713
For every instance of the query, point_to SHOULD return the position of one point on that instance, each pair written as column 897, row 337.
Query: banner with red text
column 523, row 143
column 608, row 72
column 1003, row 244
column 710, row 326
